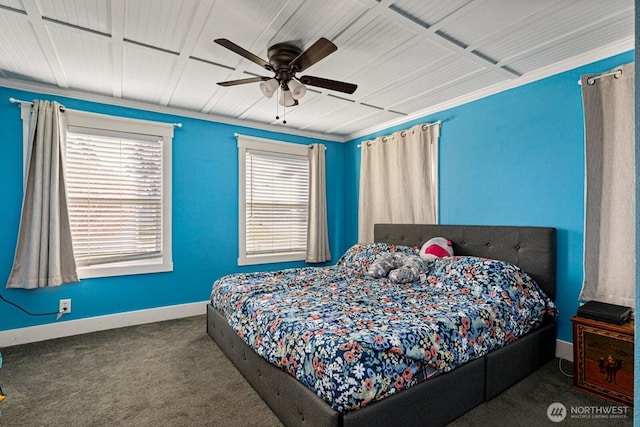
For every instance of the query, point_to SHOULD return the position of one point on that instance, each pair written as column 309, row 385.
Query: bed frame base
column 444, row 398
column 508, row 365
column 290, row 400
column 428, row 403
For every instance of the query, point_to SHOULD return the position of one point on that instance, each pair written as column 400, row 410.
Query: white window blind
column 277, row 197
column 114, row 185
column 274, row 195
column 118, row 180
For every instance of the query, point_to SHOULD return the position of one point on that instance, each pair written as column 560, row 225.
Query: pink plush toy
column 438, row 247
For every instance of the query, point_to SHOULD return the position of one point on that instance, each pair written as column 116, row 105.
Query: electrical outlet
column 65, row 306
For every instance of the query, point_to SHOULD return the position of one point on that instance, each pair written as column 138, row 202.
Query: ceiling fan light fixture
column 297, row 89
column 287, row 99
column 285, row 60
column 269, row 87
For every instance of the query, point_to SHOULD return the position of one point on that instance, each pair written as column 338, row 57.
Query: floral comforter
column 353, row 339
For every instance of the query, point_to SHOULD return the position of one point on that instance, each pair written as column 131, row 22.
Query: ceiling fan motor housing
column 281, row 54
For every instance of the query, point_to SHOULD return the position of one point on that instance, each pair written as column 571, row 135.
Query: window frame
column 246, row 143
column 114, row 124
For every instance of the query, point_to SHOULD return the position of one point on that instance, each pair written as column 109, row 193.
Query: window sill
column 125, row 269
column 270, row 258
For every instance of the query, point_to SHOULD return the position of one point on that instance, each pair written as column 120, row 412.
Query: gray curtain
column 609, row 234
column 44, row 252
column 317, row 229
column 399, row 179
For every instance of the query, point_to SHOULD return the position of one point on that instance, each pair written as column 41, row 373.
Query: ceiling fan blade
column 243, row 52
column 329, row 84
column 317, row 51
column 243, row 81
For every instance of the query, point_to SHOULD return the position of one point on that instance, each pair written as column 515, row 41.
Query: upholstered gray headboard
column 533, row 249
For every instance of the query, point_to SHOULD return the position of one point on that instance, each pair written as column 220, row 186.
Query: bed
column 444, row 397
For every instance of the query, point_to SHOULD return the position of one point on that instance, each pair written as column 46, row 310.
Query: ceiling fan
column 285, row 60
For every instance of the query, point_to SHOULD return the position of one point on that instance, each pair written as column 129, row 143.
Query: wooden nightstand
column 603, row 359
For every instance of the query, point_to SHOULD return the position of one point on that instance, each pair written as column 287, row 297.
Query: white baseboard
column 99, row 323
column 564, row 350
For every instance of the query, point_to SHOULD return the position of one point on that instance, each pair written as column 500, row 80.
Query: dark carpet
column 172, row 374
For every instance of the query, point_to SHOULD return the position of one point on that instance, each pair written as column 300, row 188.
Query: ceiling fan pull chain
column 284, row 110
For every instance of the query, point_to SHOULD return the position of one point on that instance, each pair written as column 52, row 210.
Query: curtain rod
column 592, row 80
column 239, row 135
column 63, row 108
column 404, row 132
column 19, row 101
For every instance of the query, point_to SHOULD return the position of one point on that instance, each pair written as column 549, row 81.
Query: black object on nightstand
column 604, row 312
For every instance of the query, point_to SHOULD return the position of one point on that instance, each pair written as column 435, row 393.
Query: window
column 273, row 200
column 118, row 180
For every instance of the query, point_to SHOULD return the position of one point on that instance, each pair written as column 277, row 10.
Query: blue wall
column 205, row 218
column 514, row 158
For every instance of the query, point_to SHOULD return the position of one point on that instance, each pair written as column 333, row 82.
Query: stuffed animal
column 438, row 247
column 407, row 268
column 400, row 267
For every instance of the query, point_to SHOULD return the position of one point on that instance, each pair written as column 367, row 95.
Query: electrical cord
column 561, row 370
column 24, row 310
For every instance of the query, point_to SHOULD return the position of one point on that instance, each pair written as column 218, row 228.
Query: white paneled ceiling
column 408, row 57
